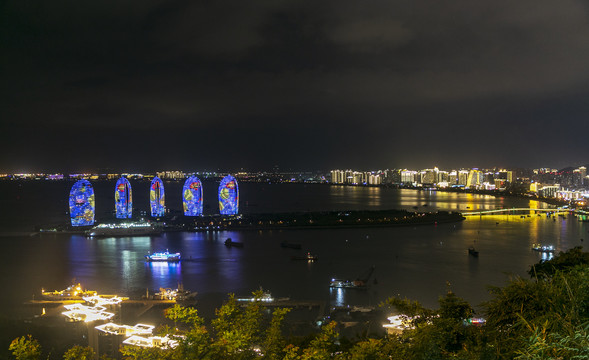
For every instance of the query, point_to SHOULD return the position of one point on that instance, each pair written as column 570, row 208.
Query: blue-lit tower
column 192, row 197
column 156, row 197
column 123, row 199
column 228, row 196
column 82, row 208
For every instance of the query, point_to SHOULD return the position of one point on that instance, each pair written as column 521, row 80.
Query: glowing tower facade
column 157, row 198
column 82, row 207
column 192, row 197
column 123, row 199
column 228, row 196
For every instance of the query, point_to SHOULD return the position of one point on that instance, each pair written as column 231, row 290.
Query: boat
column 72, row 292
column 163, row 256
column 473, row 252
column 543, row 248
column 285, row 244
column 265, row 298
column 308, row 257
column 230, row 243
column 360, row 283
column 179, row 295
column 123, row 229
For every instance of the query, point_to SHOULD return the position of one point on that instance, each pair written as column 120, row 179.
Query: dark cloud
column 230, row 84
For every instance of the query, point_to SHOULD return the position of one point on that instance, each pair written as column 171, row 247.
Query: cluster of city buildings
column 569, row 184
column 467, row 178
column 565, row 184
column 174, row 175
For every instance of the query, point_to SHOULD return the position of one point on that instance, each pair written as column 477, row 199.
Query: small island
column 313, row 220
column 290, row 220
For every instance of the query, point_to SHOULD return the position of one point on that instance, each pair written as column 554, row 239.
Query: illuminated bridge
column 520, row 211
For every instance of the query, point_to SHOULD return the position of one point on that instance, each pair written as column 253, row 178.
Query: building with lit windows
column 475, row 179
column 82, row 206
column 157, row 197
column 192, row 197
column 338, row 176
column 408, row 176
column 228, row 196
column 123, row 199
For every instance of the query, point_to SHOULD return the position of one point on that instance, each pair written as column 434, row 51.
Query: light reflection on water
column 415, row 262
column 412, row 262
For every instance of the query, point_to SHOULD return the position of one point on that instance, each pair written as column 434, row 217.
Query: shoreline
column 289, row 221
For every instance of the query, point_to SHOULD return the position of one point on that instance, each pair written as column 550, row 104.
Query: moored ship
column 163, row 256
column 123, row 229
column 72, row 292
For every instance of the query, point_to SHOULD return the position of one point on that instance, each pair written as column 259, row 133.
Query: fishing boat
column 163, row 256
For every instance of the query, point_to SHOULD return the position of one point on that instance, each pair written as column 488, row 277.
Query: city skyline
column 236, row 85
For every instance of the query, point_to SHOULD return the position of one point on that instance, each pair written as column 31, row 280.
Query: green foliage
column 564, row 261
column 546, row 317
column 79, row 353
column 556, row 346
column 25, row 348
column 438, row 334
column 274, row 344
column 139, row 353
column 553, row 304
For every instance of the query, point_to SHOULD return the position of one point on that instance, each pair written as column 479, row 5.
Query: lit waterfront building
column 548, row 191
column 475, row 179
column 408, row 176
column 192, row 197
column 452, row 177
column 157, row 198
column 228, row 196
column 429, row 176
column 463, row 177
column 108, row 338
column 338, row 176
column 569, row 195
column 79, row 312
column 374, row 179
column 82, row 206
column 123, row 199
column 171, row 175
column 443, row 177
column 163, row 342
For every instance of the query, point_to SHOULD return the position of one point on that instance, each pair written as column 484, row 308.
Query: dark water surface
column 415, row 262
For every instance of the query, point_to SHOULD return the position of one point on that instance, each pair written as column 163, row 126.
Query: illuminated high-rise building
column 82, row 207
column 228, row 196
column 123, row 199
column 475, row 178
column 462, row 177
column 338, row 176
column 192, row 197
column 157, row 197
column 408, row 176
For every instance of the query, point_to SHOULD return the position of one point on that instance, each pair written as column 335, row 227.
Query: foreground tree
column 441, row 333
column 25, row 348
column 79, row 353
column 533, row 316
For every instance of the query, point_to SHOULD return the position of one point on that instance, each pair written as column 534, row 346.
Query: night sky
column 224, row 85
